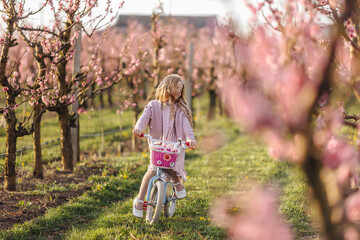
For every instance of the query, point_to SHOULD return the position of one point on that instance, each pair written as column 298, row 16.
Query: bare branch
column 34, row 12
column 351, row 124
column 38, row 30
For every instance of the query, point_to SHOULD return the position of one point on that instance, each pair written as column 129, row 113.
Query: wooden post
column 75, row 106
column 188, row 80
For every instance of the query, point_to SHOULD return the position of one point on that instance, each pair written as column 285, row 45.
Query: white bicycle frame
column 160, row 174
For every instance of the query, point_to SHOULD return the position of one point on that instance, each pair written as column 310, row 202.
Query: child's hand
column 191, row 144
column 138, row 133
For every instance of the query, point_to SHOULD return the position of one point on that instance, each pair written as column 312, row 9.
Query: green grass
column 92, row 122
column 231, row 169
column 104, row 212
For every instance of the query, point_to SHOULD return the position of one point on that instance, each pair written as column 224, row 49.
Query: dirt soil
column 25, row 203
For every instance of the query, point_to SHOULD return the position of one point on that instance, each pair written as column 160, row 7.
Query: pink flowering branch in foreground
column 281, row 86
column 260, row 218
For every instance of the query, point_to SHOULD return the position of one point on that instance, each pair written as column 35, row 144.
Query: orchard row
column 284, row 80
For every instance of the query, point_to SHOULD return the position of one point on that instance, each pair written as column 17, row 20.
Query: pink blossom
column 99, row 81
column 323, row 100
column 281, row 148
column 72, row 99
column 343, row 56
column 295, row 87
column 5, row 89
column 74, row 7
column 30, row 81
column 2, row 40
column 351, row 234
column 333, row 3
column 45, row 100
column 352, row 207
column 347, row 175
column 341, row 107
column 82, row 110
column 328, row 124
column 323, row 2
column 351, row 30
column 320, row 122
column 250, row 108
column 338, row 152
column 256, row 218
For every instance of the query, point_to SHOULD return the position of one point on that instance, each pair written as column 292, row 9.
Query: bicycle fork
column 150, row 186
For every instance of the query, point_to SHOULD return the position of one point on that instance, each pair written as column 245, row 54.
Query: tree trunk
column 120, row 134
column 212, row 93
column 65, row 139
column 221, row 110
column 10, row 157
column 212, row 104
column 312, row 169
column 11, row 135
column 189, row 81
column 101, row 98
column 38, row 169
column 38, row 112
column 110, row 97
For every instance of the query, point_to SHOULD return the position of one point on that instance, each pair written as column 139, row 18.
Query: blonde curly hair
column 163, row 94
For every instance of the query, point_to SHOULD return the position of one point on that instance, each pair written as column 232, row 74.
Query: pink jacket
column 152, row 117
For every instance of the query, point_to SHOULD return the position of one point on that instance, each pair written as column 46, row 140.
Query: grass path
column 105, row 211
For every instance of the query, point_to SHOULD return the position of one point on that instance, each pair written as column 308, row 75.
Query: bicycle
column 161, row 190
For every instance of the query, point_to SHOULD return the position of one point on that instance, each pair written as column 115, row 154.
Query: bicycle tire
column 155, row 202
column 170, row 206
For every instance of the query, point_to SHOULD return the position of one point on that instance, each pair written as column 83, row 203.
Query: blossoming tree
column 53, row 86
column 13, row 12
column 57, row 44
column 287, row 95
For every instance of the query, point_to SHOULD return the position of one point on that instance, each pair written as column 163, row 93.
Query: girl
column 169, row 119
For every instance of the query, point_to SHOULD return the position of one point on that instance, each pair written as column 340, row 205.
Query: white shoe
column 180, row 194
column 136, row 212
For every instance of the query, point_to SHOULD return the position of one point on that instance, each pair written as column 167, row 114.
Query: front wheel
column 170, row 204
column 155, row 202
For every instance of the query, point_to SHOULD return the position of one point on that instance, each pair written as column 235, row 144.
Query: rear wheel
column 155, row 202
column 170, row 205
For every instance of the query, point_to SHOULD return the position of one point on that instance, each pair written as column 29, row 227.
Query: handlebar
column 184, row 144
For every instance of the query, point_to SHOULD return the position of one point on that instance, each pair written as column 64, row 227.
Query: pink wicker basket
column 164, row 156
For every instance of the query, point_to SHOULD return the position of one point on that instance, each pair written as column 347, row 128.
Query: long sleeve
column 144, row 119
column 188, row 130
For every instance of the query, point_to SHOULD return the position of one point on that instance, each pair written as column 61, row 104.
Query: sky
column 174, row 7
column 220, row 8
column 178, row 7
